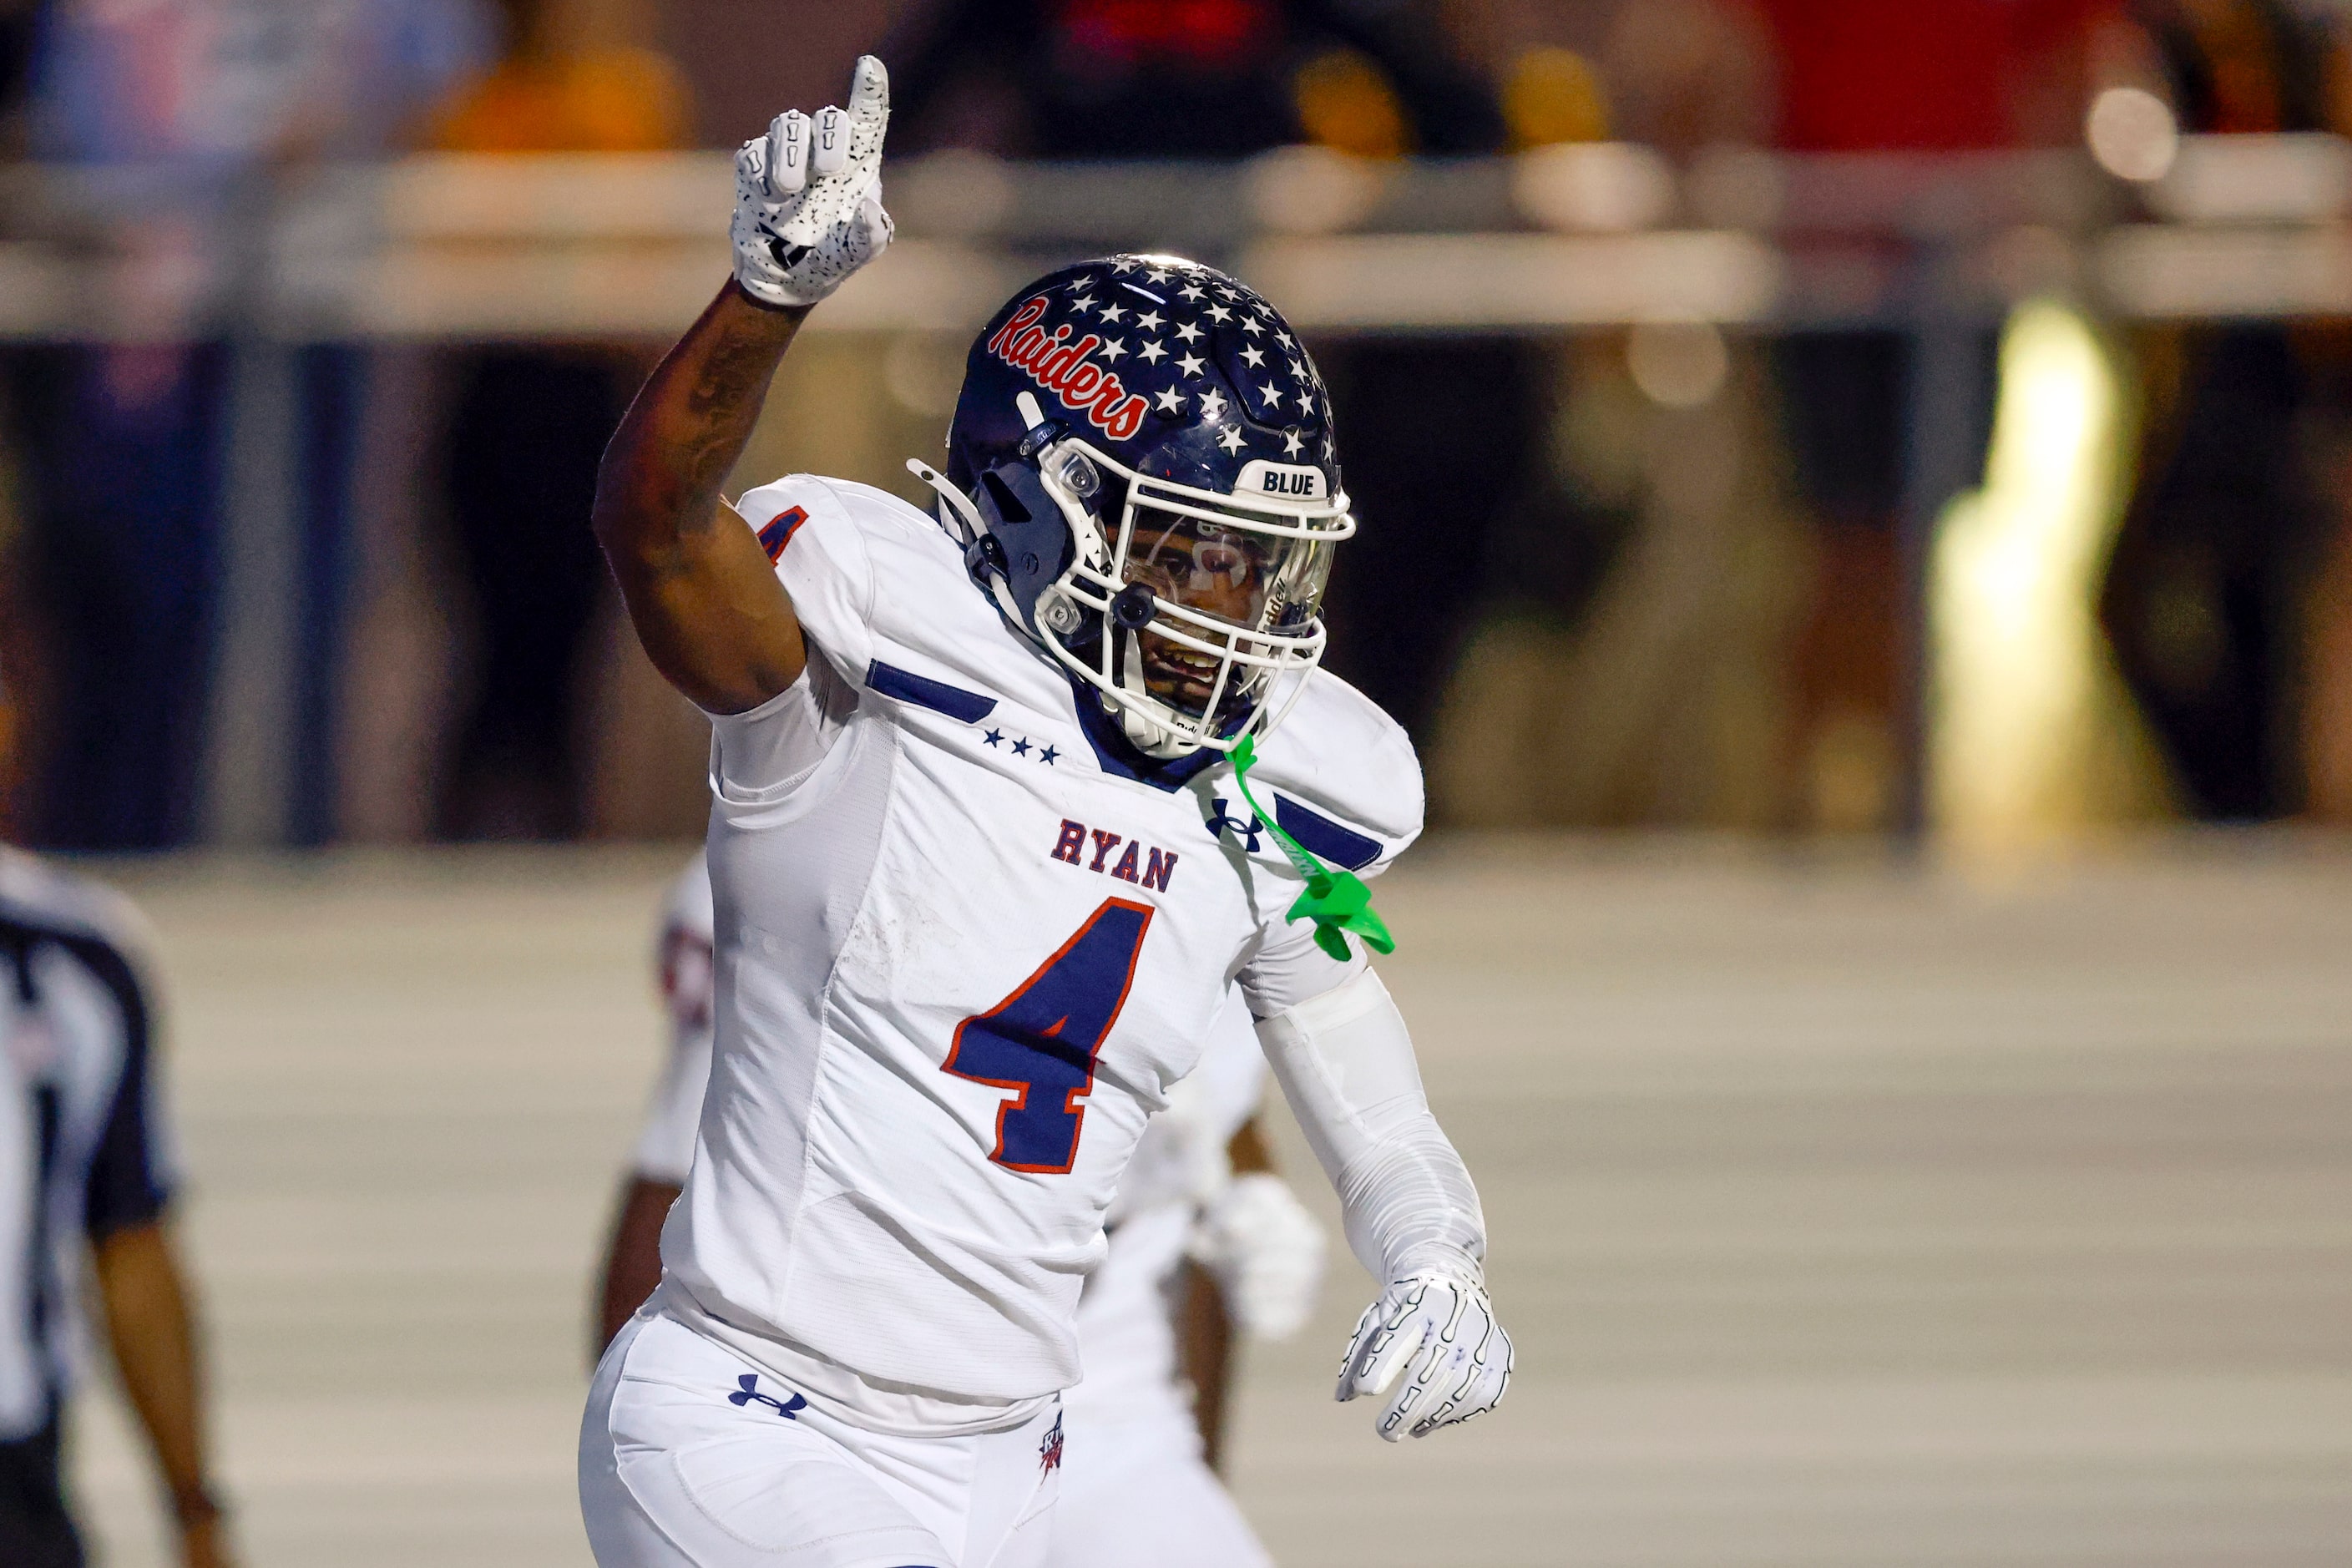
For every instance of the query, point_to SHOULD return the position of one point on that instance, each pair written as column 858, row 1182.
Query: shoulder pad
column 1341, row 777
column 831, row 542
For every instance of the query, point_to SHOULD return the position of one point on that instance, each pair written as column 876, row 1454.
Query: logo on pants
column 1049, row 1452
column 747, row 1394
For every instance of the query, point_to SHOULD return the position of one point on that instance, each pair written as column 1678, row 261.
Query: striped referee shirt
column 80, row 1149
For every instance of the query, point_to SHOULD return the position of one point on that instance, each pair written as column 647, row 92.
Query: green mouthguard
column 1337, row 901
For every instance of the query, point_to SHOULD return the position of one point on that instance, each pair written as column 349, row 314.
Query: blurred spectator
column 17, row 18
column 1856, row 75
column 1684, row 75
column 176, row 115
column 1955, row 76
column 1553, row 95
column 123, row 472
column 2207, row 599
column 527, row 427
column 565, row 84
column 1227, row 78
column 1211, row 78
column 123, row 443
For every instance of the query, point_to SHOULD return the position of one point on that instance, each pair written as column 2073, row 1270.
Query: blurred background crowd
column 1799, row 417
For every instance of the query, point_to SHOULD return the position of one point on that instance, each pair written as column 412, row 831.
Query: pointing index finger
column 869, row 90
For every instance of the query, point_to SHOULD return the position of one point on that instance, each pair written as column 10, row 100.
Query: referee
column 82, row 1155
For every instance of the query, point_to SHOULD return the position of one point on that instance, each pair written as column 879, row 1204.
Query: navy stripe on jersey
column 921, row 691
column 1321, row 835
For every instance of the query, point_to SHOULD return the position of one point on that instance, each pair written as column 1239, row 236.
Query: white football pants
column 1135, row 1491
column 1137, row 1495
column 675, row 1473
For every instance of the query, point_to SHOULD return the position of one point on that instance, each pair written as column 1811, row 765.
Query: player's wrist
column 771, row 299
column 1445, row 1259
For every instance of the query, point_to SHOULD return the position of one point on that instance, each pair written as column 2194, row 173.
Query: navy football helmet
column 1142, row 473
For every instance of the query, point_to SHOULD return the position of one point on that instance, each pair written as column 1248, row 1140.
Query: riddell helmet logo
column 1060, row 367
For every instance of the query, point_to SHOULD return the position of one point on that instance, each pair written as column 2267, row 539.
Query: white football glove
column 1266, row 1252
column 808, row 195
column 1437, row 1326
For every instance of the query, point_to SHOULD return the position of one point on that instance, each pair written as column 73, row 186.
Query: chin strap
column 1337, row 901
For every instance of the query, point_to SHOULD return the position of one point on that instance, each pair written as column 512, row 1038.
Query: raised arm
column 707, row 607
column 700, row 591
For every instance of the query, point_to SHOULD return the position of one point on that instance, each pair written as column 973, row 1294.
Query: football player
column 991, row 839
column 1137, row 1490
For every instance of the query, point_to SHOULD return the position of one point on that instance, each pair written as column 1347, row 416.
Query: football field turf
column 1845, row 1214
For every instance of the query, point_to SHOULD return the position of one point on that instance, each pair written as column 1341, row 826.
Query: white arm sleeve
column 1345, row 1062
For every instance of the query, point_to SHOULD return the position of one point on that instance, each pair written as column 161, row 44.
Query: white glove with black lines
column 1266, row 1252
column 1435, row 1325
column 808, row 195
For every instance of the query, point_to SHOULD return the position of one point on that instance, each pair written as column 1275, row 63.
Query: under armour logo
column 748, row 1393
column 1247, row 827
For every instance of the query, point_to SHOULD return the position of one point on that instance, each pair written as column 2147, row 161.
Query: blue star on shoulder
column 1047, row 755
column 993, row 736
column 1020, row 748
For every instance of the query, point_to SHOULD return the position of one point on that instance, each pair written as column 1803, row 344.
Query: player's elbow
column 618, row 515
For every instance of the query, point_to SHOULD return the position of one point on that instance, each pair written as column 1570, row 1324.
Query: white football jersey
column 967, row 942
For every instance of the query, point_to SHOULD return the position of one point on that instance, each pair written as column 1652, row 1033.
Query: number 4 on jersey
column 1041, row 1040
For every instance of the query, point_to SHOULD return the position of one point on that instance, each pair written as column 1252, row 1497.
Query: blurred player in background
column 951, row 988
column 665, row 1146
column 83, row 1155
column 1138, row 1489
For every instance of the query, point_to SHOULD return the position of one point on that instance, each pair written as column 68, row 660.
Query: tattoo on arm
column 724, row 405
column 706, row 608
